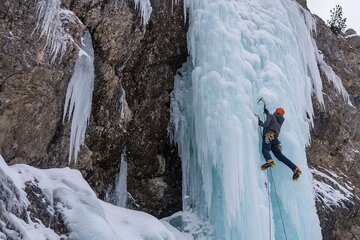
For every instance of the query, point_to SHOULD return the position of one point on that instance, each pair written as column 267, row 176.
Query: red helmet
column 280, row 111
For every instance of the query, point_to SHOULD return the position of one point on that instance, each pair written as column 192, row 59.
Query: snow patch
column 330, row 192
column 355, row 151
column 86, row 216
column 352, row 35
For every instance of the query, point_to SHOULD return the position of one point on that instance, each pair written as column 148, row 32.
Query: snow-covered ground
column 66, row 193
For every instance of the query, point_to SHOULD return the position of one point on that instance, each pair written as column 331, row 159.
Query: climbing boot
column 269, row 163
column 297, row 173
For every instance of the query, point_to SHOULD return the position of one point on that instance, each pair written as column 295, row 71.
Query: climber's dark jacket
column 273, row 123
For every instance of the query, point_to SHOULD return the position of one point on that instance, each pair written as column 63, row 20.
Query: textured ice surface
column 241, row 51
column 85, row 216
column 79, row 95
column 187, row 226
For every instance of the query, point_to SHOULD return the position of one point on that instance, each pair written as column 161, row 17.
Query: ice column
column 117, row 193
column 121, row 183
column 241, row 51
column 79, row 95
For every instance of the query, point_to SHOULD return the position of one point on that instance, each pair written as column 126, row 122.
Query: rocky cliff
column 134, row 69
column 334, row 152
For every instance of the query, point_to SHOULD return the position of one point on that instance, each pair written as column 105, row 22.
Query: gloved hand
column 260, row 122
column 266, row 111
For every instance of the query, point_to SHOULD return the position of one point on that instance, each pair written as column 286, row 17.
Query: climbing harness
column 269, row 136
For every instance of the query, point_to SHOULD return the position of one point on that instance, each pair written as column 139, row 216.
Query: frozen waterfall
column 241, row 51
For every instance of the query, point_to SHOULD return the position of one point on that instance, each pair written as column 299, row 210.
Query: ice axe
column 262, row 100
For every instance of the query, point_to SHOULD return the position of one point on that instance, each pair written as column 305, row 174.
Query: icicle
column 332, row 77
column 51, row 20
column 79, row 95
column 326, row 69
column 117, row 194
column 145, row 9
column 121, row 184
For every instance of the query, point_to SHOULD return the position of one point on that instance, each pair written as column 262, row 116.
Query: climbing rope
column 268, row 190
column 278, row 203
column 269, row 202
column 267, row 186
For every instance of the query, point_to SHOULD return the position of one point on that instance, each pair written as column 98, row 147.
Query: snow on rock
column 329, row 191
column 71, row 199
column 15, row 222
column 352, row 35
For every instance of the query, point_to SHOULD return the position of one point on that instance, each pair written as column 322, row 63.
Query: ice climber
column 272, row 126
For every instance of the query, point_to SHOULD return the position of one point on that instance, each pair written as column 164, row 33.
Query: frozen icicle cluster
column 326, row 69
column 79, row 95
column 51, row 21
column 145, row 9
column 241, row 51
column 332, row 77
column 70, row 198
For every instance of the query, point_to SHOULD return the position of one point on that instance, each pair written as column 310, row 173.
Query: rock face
column 134, row 69
column 31, row 88
column 334, row 153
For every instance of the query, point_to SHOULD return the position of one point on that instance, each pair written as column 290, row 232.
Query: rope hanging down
column 278, row 203
column 268, row 187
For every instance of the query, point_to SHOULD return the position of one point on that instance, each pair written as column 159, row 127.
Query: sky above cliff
column 350, row 10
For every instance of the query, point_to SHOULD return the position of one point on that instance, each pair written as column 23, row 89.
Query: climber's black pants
column 274, row 147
